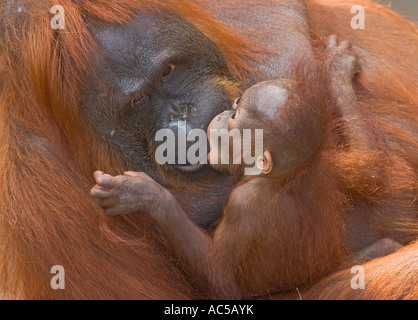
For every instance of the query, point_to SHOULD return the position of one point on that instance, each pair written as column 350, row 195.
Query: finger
column 346, row 44
column 357, row 66
column 332, row 41
column 107, row 181
column 100, row 193
column 97, row 174
column 133, row 174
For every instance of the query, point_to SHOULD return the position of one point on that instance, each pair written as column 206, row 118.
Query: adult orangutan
column 93, row 95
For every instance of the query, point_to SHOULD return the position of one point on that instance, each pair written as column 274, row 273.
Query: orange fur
column 391, row 277
column 47, row 216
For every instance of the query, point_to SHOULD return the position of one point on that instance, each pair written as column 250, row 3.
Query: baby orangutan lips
column 219, row 122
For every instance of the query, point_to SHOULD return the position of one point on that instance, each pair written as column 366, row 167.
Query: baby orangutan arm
column 366, row 141
column 136, row 192
column 341, row 66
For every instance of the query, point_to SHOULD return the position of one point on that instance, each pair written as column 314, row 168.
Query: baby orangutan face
column 254, row 110
column 280, row 110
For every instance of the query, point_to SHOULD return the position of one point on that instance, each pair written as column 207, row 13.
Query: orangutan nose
column 182, row 112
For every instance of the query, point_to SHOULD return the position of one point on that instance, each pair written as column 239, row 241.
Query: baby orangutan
column 283, row 228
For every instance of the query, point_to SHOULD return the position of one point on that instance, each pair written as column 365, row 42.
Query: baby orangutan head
column 276, row 126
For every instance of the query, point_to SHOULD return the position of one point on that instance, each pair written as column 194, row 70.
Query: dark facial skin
column 150, row 75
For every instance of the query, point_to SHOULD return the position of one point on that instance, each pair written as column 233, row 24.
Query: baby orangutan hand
column 341, row 61
column 128, row 193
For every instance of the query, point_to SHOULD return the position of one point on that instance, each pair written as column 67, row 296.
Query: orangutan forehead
column 147, row 43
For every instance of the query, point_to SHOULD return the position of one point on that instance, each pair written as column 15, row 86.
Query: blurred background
column 407, row 8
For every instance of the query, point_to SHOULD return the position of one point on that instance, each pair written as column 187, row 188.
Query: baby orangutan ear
column 265, row 163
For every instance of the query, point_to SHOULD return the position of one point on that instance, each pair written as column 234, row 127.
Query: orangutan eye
column 137, row 99
column 168, row 70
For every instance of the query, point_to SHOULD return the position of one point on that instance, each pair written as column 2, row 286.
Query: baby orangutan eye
column 236, row 103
